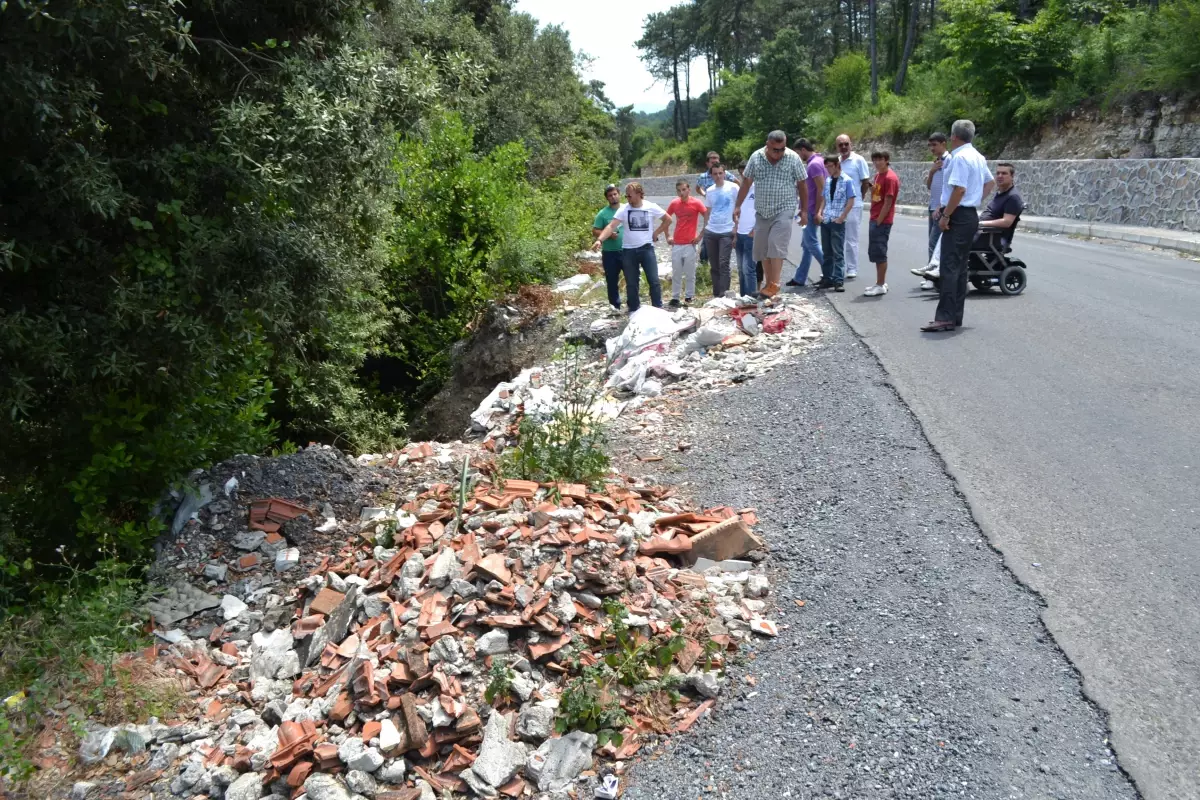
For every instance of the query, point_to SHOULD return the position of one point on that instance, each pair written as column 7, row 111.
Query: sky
column 607, row 31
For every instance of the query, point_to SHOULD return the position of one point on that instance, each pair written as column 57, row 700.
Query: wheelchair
column 989, row 264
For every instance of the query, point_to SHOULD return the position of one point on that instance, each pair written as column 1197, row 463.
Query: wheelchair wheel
column 1012, row 280
column 982, row 284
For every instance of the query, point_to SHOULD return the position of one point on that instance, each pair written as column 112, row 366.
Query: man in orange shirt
column 687, row 211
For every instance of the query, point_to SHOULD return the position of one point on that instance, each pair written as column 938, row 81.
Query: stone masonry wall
column 1150, row 192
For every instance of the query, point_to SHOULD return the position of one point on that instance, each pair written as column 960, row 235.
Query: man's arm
column 610, row 230
column 850, row 201
column 596, row 232
column 742, row 192
column 988, row 186
column 802, row 193
column 1003, row 222
column 956, row 196
column 663, row 226
column 819, row 188
column 886, row 206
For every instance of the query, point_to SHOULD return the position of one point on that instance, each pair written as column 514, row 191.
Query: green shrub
column 847, row 79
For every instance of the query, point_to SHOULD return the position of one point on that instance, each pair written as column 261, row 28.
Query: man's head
column 937, row 144
column 881, row 159
column 962, row 132
column 718, row 174
column 843, row 146
column 776, row 146
column 1005, row 176
column 612, row 193
column 683, row 189
column 634, row 193
column 712, row 159
column 805, row 148
column 833, row 166
column 741, row 168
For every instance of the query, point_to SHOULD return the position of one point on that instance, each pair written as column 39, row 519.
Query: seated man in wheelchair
column 998, row 222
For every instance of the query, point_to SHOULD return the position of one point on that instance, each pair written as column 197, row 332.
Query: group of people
column 752, row 213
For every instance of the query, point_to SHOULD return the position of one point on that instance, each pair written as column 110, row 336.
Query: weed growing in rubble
column 591, row 702
column 570, row 445
column 500, row 684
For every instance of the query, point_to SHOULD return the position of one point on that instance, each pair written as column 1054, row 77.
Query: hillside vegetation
column 896, row 68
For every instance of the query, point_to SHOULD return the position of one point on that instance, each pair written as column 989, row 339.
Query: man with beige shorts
column 779, row 176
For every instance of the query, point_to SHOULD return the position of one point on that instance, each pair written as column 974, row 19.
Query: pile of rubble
column 411, row 626
column 727, row 340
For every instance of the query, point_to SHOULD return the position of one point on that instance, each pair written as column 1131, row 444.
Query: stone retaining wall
column 1152, row 192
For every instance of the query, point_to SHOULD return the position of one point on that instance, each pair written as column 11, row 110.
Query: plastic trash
column 608, row 788
column 649, row 328
column 751, row 325
column 573, row 283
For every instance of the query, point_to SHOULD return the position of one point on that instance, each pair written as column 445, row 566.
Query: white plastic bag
column 649, row 328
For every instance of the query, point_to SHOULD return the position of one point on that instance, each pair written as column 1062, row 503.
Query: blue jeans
column 613, row 264
column 833, row 236
column 747, row 277
column 810, row 247
column 634, row 261
column 934, row 233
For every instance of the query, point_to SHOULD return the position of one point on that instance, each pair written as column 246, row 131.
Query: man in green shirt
column 610, row 249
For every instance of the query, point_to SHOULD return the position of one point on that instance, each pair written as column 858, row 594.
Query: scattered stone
column 706, row 684
column 325, row 787
column 247, row 787
column 561, row 760
column 272, row 656
column 249, row 540
column 180, row 601
column 215, row 572
column 392, row 771
column 361, row 783
column 82, row 790
column 492, row 643
column 499, row 757
column 535, row 723
column 389, row 737
column 232, row 607
column 757, row 586
column 443, row 567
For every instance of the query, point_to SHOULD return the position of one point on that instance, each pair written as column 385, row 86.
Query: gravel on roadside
column 909, row 663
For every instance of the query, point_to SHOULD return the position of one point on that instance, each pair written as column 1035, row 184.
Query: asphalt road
column 1070, row 417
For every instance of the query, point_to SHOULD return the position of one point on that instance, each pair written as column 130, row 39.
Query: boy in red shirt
column 687, row 211
column 885, row 189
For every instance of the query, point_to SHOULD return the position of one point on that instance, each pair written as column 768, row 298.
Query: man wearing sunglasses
column 779, row 175
column 855, row 168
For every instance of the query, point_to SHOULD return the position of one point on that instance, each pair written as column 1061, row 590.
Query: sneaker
column 687, row 301
column 851, row 275
column 674, row 302
column 934, row 271
column 927, row 284
column 837, row 287
column 823, row 284
column 919, row 271
column 876, row 291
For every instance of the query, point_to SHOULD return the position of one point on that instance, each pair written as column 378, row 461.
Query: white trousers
column 851, row 250
column 683, row 270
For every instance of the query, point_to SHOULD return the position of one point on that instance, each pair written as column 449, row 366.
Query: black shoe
column 687, row 301
column 674, row 303
column 837, row 287
column 823, row 284
column 793, row 282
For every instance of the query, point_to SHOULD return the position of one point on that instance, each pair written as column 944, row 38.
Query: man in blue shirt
column 966, row 184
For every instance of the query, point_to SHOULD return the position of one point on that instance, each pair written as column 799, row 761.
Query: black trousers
column 956, row 244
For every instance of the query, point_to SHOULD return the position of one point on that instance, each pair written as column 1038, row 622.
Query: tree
column 874, row 54
column 909, row 40
column 786, row 87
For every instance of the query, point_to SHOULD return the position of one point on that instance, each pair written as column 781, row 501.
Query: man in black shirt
column 1003, row 211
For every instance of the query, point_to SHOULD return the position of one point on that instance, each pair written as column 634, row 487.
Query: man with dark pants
column 610, row 251
column 966, row 184
column 638, row 216
column 719, row 228
column 840, row 196
column 810, row 244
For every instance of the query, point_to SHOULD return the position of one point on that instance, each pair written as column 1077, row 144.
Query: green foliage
column 570, row 445
column 847, row 79
column 228, row 209
column 786, row 88
column 500, row 683
column 585, row 705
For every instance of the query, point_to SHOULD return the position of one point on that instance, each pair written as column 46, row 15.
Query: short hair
column 777, row 136
column 712, row 153
column 937, row 137
column 832, row 159
column 884, row 154
column 719, row 165
column 634, row 186
column 963, row 130
column 682, row 182
column 804, row 144
column 1008, row 164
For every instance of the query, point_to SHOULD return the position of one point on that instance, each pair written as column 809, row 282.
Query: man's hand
column 841, row 220
column 596, row 245
column 820, row 218
column 937, row 165
column 944, row 222
column 737, row 215
column 696, row 241
column 803, row 217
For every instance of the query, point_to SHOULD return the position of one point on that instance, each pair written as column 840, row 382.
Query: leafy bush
column 847, row 79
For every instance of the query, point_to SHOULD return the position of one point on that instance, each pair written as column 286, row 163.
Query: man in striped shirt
column 779, row 176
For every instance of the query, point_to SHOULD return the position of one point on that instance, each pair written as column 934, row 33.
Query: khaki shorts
column 772, row 235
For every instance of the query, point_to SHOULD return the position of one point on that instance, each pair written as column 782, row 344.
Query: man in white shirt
column 719, row 233
column 743, row 245
column 638, row 217
column 855, row 168
column 966, row 184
